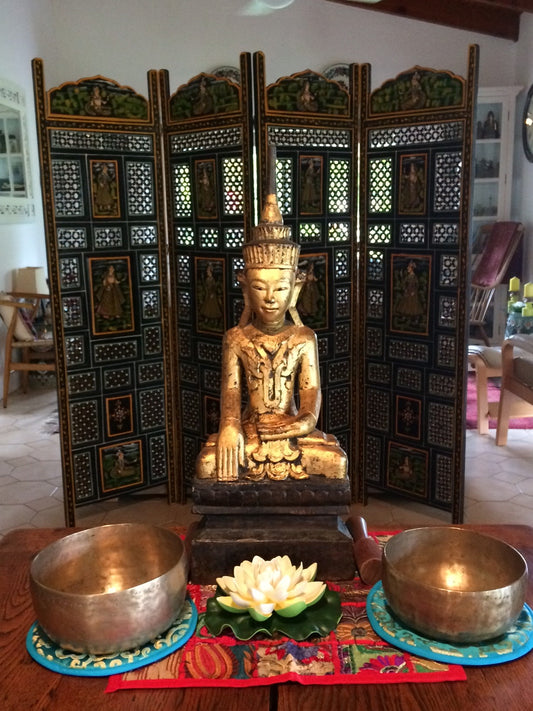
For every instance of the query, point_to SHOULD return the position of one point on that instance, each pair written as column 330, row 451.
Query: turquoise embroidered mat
column 50, row 655
column 516, row 643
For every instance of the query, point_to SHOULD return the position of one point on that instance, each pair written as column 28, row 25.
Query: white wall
column 23, row 37
column 22, row 244
column 123, row 39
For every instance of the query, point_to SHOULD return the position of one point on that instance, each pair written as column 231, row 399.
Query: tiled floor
column 499, row 481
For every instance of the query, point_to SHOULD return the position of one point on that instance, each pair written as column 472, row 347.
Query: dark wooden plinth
column 271, row 496
column 222, row 541
column 301, row 519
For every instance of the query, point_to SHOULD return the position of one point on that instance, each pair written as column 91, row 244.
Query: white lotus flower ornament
column 262, row 587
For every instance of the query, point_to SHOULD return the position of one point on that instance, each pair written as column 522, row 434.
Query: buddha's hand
column 286, row 426
column 230, row 452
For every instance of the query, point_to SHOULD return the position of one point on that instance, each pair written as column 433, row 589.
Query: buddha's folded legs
column 322, row 456
column 316, row 454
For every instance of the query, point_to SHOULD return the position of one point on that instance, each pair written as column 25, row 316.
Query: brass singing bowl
column 109, row 588
column 454, row 584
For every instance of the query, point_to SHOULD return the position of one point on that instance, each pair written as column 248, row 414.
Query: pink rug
column 515, row 423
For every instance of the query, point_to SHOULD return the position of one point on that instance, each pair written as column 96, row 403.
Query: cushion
column 23, row 329
column 523, row 366
column 492, row 355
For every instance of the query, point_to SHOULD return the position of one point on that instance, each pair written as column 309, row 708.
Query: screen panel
column 415, row 175
column 312, row 122
column 106, row 245
column 209, row 172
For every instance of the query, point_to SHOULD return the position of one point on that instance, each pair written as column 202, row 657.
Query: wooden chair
column 486, row 362
column 496, row 252
column 34, row 354
column 517, row 383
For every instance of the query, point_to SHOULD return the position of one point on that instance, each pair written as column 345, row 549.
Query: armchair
column 34, row 354
column 486, row 362
column 517, row 382
column 497, row 251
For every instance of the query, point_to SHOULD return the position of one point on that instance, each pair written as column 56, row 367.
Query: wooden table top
column 25, row 685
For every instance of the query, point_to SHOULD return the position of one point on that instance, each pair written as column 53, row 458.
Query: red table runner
column 352, row 654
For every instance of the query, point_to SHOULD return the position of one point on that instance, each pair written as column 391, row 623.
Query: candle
column 528, row 290
column 514, row 284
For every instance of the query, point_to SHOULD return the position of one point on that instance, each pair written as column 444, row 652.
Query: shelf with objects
column 519, row 308
column 491, row 199
column 12, row 180
column 16, row 194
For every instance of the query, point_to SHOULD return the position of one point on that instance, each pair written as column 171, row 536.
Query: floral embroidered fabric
column 352, row 654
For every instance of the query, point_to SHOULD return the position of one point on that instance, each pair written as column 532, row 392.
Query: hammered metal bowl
column 454, row 584
column 109, row 588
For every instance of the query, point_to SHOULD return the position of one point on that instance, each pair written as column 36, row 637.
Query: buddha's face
column 270, row 292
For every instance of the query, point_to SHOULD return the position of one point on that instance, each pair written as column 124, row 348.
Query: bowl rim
column 48, row 550
column 404, row 576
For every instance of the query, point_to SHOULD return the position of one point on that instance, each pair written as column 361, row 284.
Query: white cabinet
column 16, row 193
column 493, row 154
column 12, row 178
column 493, row 173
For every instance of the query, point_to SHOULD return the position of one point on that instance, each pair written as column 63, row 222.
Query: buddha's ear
column 298, row 283
column 295, row 316
column 246, row 315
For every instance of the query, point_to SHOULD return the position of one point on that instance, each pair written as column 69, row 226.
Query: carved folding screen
column 146, row 217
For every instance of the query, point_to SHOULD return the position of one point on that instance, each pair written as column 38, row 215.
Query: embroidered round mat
column 517, row 642
column 50, row 655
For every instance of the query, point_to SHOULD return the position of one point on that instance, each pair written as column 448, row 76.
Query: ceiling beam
column 491, row 17
column 516, row 5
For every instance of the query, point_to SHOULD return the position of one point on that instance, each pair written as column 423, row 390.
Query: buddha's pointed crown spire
column 271, row 244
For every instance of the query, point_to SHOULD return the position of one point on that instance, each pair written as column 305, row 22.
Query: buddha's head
column 270, row 294
column 270, row 267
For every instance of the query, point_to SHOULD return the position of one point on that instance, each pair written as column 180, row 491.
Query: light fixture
column 264, row 7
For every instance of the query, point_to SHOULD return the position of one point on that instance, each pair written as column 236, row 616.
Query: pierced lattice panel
column 82, row 383
column 84, row 481
column 108, row 237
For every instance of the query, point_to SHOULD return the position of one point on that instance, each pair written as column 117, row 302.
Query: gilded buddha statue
column 277, row 357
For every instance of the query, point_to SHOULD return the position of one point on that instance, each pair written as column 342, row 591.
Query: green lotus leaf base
column 318, row 619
